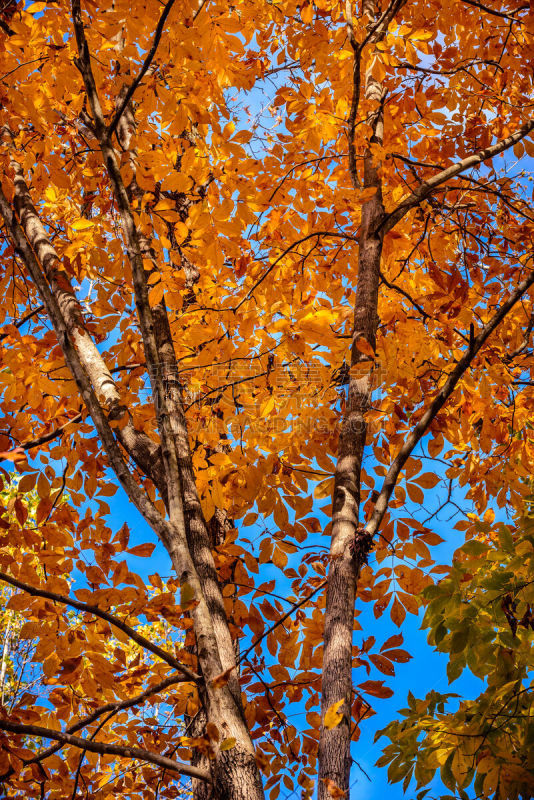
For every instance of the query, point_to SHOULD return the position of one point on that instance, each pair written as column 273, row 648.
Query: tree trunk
column 350, row 545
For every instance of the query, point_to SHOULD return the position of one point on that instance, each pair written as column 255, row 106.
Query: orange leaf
column 398, row 612
column 332, row 788
column 376, row 688
column 428, row 480
column 221, row 680
column 142, row 550
column 16, row 455
column 364, row 347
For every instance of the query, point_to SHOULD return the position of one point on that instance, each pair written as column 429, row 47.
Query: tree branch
column 280, row 621
column 20, row 322
column 176, row 543
column 438, row 402
column 112, row 707
column 165, row 530
column 146, row 64
column 492, row 11
column 102, row 748
column 291, row 247
column 34, row 591
column 430, row 185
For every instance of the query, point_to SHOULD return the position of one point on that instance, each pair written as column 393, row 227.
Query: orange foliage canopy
column 192, row 197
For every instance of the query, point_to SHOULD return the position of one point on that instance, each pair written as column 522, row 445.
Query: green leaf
column 505, row 539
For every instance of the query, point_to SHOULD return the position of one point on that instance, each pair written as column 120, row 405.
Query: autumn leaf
column 227, row 744
column 332, row 788
column 182, row 269
column 221, row 680
column 376, row 688
column 142, row 550
column 17, row 455
column 82, row 225
column 187, row 595
column 365, row 348
column 333, row 715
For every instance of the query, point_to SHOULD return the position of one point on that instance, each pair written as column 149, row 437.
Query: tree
column 160, row 228
column 481, row 615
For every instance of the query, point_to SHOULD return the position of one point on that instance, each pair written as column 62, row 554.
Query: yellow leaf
column 228, row 130
column 324, row 488
column 420, row 35
column 333, row 716
column 267, row 407
column 187, row 594
column 82, row 224
column 35, row 8
column 227, row 744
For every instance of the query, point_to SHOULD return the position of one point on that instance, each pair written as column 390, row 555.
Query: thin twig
column 282, row 619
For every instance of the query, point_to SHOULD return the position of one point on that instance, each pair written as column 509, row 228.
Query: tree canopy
column 267, row 272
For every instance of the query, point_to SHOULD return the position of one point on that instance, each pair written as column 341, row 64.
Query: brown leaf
column 383, row 664
column 376, row 688
column 142, row 550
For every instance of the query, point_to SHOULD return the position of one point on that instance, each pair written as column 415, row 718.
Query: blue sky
column 424, row 672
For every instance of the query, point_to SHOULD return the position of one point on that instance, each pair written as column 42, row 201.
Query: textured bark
column 349, row 546
column 220, row 704
column 144, row 452
column 62, row 289
column 186, row 542
column 198, row 535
